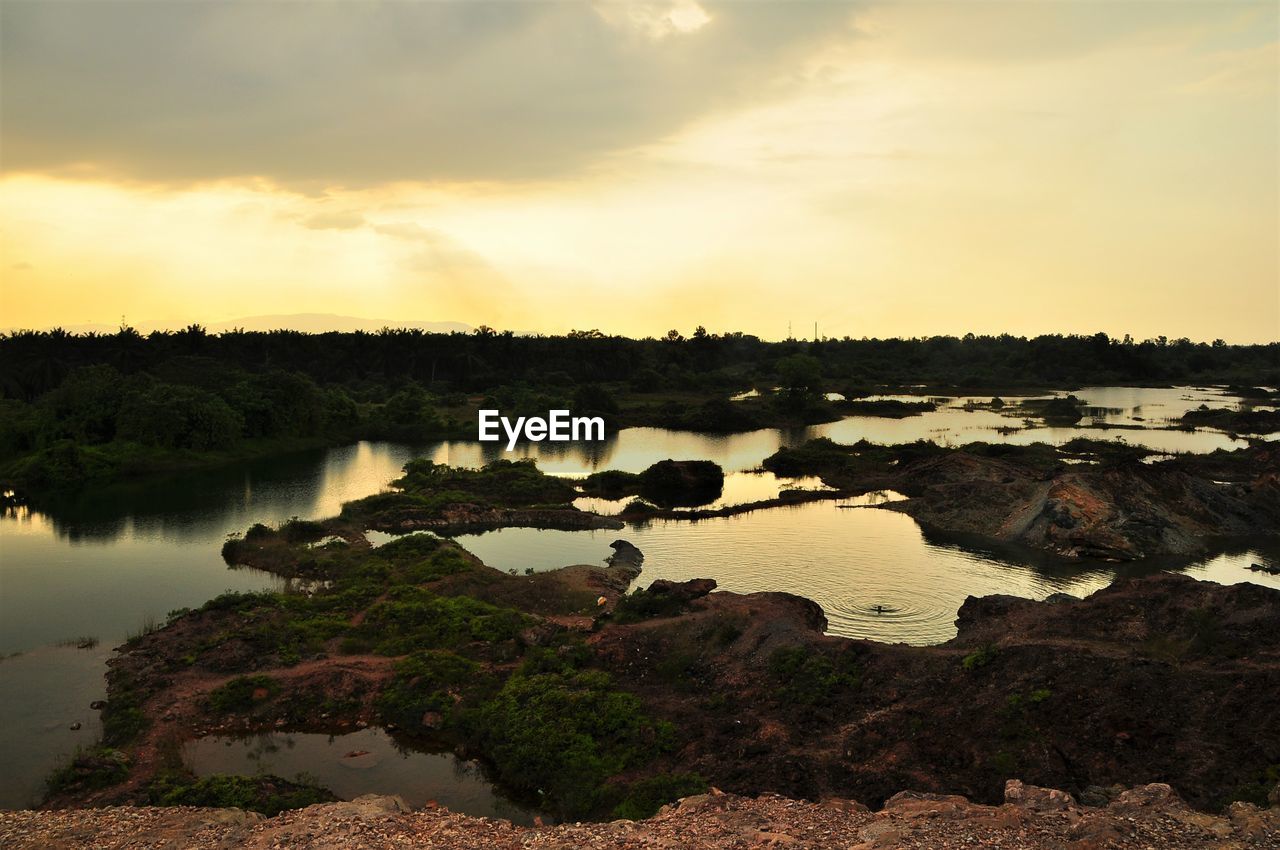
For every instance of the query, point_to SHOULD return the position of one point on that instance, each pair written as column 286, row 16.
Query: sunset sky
column 883, row 168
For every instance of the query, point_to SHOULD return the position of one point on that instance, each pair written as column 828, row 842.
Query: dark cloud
column 354, row 94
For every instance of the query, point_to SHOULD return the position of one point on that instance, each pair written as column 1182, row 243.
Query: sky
column 880, row 168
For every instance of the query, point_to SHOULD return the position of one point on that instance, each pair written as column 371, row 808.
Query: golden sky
column 882, row 168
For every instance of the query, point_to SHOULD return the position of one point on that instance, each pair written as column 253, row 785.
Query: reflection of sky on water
column 847, row 559
column 364, row 762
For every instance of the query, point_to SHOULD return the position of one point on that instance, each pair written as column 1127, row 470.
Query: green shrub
column 808, row 677
column 267, row 794
column 564, row 735
column 122, row 717
column 980, row 657
column 89, row 770
column 242, row 694
column 409, row 547
column 413, row 618
column 645, row 605
column 421, row 684
column 645, row 797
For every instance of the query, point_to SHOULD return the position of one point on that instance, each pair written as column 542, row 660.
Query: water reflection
column 365, row 762
column 740, row 488
column 848, row 561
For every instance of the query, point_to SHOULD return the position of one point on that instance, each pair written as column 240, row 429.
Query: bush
column 122, row 717
column 676, row 483
column 242, row 694
column 564, row 735
column 811, row 458
column 645, row 605
column 89, row 770
column 808, row 677
column 412, row 618
column 645, row 797
column 421, row 684
column 178, row 417
column 980, row 657
column 611, row 484
column 267, row 794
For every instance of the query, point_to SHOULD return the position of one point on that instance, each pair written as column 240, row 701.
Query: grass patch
column 645, row 797
column 428, row 488
column 423, row 683
column 561, row 736
column 646, row 605
column 808, row 677
column 979, row 658
column 267, row 794
column 122, row 717
column 89, row 770
column 413, row 619
column 242, row 694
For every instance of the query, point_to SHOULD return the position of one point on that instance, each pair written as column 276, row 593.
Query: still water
column 107, row 563
column 365, row 762
column 104, row 564
column 847, row 559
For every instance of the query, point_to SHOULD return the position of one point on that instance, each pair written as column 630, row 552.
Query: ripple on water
column 887, row 614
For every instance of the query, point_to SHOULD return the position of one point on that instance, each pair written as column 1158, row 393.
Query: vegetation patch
column 242, row 694
column 122, row 717
column 648, row 604
column 562, row 735
column 979, row 658
column 412, row 618
column 808, row 677
column 267, row 794
column 645, row 797
column 890, row 408
column 425, row 682
column 1235, row 421
column 89, row 770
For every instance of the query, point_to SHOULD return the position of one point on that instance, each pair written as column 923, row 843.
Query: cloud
column 439, row 267
column 334, row 221
column 358, row 94
column 657, row 20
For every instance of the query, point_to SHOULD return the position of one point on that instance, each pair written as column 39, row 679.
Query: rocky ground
column 1119, row 512
column 1085, row 500
column 1031, row 818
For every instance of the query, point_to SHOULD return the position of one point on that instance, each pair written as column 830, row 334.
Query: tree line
column 137, row 396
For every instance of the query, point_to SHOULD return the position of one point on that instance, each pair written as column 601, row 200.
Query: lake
column 104, row 564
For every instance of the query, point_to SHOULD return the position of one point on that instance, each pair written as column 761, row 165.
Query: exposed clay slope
column 1030, row 819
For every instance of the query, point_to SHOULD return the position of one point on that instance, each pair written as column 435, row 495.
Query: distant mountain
column 306, row 322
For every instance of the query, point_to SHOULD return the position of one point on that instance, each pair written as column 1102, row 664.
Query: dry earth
column 1150, row 817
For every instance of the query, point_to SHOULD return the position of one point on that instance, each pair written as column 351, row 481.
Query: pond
column 102, row 565
column 366, row 762
column 848, row 559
